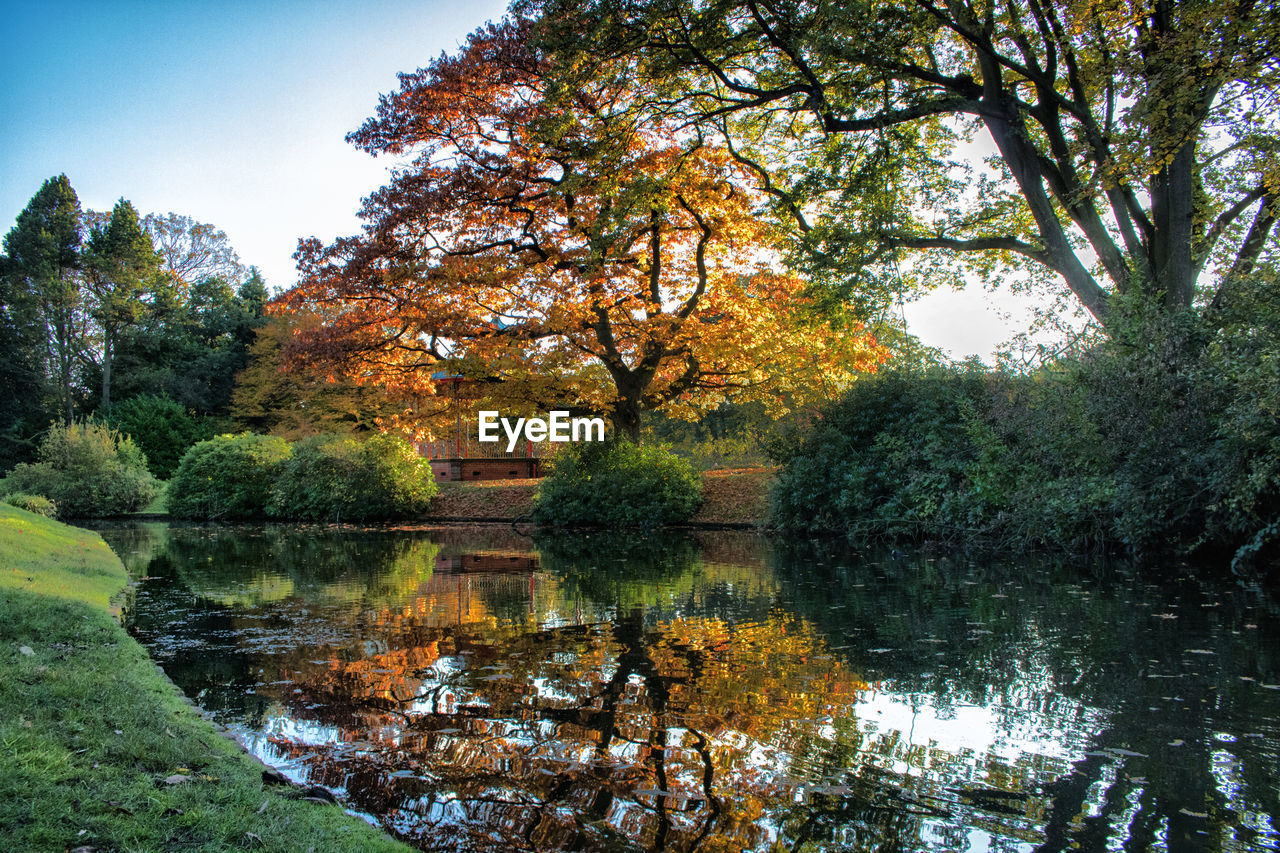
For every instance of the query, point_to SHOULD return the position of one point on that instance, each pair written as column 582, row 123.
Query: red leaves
column 554, row 234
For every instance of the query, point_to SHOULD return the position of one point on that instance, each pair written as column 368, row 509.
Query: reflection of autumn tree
column 617, row 698
column 657, row 730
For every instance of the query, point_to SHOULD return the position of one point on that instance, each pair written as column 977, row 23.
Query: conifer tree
column 44, row 302
column 122, row 266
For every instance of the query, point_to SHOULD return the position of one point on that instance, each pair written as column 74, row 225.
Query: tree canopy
column 545, row 234
column 193, row 251
column 1135, row 143
column 43, row 302
column 122, row 268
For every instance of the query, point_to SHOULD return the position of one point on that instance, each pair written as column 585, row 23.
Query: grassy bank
column 732, row 497
column 483, row 499
column 97, row 750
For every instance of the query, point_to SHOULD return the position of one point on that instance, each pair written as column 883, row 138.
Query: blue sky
column 232, row 112
column 235, row 113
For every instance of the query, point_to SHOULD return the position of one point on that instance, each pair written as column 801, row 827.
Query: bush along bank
column 617, row 483
column 99, row 749
column 324, row 478
column 1165, row 439
column 85, row 469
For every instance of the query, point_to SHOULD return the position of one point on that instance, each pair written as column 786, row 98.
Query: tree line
column 103, row 307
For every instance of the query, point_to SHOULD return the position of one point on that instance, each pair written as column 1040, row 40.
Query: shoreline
column 102, row 749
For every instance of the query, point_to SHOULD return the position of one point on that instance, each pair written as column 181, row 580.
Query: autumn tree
column 297, row 403
column 544, row 233
column 1135, row 143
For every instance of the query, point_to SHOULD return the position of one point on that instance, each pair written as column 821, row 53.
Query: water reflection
column 476, row 690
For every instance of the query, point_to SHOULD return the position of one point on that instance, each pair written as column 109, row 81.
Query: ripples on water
column 477, row 690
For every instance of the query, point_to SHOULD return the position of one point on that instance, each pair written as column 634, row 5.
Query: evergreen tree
column 45, row 310
column 23, row 391
column 189, row 346
column 122, row 269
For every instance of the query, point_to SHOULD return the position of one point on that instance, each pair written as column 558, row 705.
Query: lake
column 478, row 689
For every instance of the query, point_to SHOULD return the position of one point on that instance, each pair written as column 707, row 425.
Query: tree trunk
column 626, row 418
column 62, row 344
column 106, row 373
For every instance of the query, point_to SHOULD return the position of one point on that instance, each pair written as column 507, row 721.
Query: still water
column 474, row 689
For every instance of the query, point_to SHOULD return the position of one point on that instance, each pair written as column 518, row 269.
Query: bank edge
column 98, row 749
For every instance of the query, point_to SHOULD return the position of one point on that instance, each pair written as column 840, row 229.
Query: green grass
column 89, row 730
column 160, row 503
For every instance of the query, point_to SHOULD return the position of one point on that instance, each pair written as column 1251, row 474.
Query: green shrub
column 334, row 478
column 38, row 504
column 86, row 469
column 227, row 477
column 891, row 456
column 161, row 427
column 618, row 483
column 1162, row 439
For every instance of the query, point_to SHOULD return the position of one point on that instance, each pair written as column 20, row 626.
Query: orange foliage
column 554, row 238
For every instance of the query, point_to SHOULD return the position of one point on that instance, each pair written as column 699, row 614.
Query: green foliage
column 42, row 306
column 618, row 483
column 87, row 469
column 227, row 477
column 112, row 313
column 892, row 453
column 38, row 504
column 323, row 478
column 191, row 344
column 1163, row 439
column 121, row 265
column 729, row 436
column 332, row 478
column 161, row 427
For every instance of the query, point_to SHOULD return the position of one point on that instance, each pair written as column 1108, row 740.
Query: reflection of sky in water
column 996, row 730
column 684, row 699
